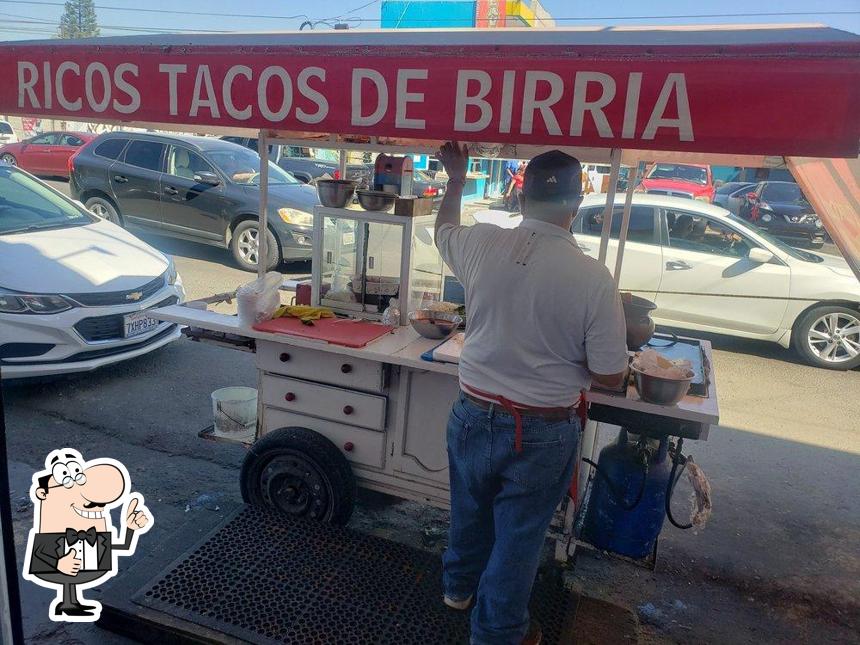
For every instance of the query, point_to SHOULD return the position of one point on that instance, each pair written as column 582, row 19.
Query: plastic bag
column 258, row 300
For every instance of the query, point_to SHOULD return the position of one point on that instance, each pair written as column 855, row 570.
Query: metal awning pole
column 632, row 180
column 262, row 235
column 615, row 166
column 342, row 164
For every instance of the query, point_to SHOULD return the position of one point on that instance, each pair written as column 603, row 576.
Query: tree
column 78, row 20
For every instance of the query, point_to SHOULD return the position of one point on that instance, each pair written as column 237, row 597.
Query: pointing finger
column 132, row 506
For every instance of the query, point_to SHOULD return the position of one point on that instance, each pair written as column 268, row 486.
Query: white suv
column 709, row 270
column 7, row 134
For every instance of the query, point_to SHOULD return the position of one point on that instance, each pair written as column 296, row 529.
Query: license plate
column 138, row 323
column 348, row 239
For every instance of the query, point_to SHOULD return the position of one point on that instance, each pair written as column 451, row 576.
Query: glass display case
column 362, row 260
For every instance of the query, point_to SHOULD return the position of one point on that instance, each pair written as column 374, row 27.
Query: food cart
column 358, row 403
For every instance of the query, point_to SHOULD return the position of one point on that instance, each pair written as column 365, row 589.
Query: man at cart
column 544, row 321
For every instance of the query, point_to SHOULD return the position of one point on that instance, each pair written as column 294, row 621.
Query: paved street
column 777, row 562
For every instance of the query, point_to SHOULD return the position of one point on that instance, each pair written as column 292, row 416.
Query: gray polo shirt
column 540, row 313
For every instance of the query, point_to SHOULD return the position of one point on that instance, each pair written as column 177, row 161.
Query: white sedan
column 74, row 289
column 709, row 270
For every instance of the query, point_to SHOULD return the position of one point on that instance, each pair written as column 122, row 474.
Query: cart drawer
column 360, row 446
column 337, row 404
column 314, row 365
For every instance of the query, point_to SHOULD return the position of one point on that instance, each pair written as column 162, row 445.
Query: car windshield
column 798, row 254
column 5, row 128
column 242, row 166
column 779, row 192
column 693, row 174
column 27, row 205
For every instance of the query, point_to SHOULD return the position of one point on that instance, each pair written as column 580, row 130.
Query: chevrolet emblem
column 134, row 295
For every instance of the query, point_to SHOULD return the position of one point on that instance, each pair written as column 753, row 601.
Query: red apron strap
column 582, row 413
column 514, row 410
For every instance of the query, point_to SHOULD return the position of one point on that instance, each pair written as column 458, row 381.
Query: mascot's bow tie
column 73, row 536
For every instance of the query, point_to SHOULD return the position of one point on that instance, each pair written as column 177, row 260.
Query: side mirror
column 207, row 177
column 760, row 256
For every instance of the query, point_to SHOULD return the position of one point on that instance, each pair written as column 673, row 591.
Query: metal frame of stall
column 617, row 156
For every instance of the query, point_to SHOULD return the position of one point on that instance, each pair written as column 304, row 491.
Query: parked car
column 201, row 189
column 690, row 181
column 308, row 169
column 45, row 154
column 305, row 167
column 731, row 194
column 74, row 289
column 781, row 208
column 709, row 270
column 7, row 133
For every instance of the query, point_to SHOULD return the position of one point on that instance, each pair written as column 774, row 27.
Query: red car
column 45, row 154
column 691, row 181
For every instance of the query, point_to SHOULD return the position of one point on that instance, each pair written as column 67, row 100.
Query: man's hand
column 135, row 519
column 69, row 564
column 455, row 160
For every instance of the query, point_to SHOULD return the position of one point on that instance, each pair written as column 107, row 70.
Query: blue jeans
column 501, row 507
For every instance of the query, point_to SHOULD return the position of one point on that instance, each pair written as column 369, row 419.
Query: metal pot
column 662, row 391
column 375, row 200
column 434, row 324
column 637, row 315
column 335, row 193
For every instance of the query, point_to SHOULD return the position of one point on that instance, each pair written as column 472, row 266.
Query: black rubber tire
column 9, row 158
column 800, row 332
column 111, row 213
column 274, row 249
column 330, row 466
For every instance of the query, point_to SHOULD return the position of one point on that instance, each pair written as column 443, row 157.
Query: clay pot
column 637, row 314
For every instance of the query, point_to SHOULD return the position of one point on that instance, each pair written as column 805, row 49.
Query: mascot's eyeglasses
column 69, row 481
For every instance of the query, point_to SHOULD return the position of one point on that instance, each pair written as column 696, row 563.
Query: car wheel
column 245, row 246
column 9, row 159
column 829, row 337
column 104, row 208
column 301, row 473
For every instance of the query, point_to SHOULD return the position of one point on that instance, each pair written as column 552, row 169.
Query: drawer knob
column 284, row 357
column 346, row 368
column 289, row 396
column 347, row 409
column 349, row 446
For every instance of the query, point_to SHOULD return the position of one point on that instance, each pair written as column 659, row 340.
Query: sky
column 27, row 19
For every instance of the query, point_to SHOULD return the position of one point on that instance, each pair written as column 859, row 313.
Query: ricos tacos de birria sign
column 711, row 106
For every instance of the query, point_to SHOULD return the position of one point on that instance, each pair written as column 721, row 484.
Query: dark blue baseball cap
column 553, row 176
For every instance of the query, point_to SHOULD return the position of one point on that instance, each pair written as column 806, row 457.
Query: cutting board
column 337, row 331
column 449, row 351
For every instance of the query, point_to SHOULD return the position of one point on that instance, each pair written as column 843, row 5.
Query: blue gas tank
column 615, row 521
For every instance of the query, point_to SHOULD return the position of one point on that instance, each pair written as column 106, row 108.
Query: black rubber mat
column 264, row 578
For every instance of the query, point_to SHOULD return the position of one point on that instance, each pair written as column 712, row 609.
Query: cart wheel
column 299, row 472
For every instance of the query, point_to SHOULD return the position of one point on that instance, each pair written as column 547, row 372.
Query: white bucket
column 235, row 409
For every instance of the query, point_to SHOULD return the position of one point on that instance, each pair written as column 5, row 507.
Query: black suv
column 781, row 208
column 195, row 188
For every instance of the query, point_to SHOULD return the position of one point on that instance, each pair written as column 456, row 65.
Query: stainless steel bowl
column 662, row 391
column 375, row 200
column 434, row 324
column 335, row 193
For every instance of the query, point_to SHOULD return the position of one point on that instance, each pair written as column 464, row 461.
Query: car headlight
column 171, row 275
column 293, row 216
column 818, row 224
column 766, row 218
column 702, row 198
column 22, row 303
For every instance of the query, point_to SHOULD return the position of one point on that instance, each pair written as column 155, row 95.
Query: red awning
column 738, row 90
